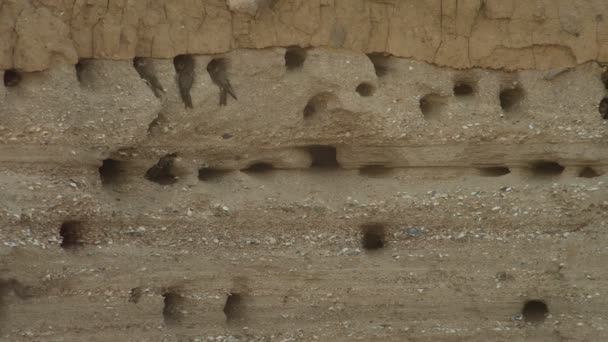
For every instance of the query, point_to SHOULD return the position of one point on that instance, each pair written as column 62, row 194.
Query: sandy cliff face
column 497, row 34
column 396, row 170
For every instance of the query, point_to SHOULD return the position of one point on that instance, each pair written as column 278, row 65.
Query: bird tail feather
column 187, row 98
column 223, row 97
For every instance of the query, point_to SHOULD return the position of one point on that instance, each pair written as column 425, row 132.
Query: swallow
column 161, row 171
column 184, row 66
column 146, row 71
column 217, row 71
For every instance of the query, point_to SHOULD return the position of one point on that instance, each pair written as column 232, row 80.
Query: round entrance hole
column 372, row 236
column 365, row 89
column 535, row 311
column 294, row 57
column 71, row 234
column 462, row 88
column 11, row 78
column 511, row 98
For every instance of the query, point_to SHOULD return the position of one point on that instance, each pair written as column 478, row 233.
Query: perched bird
column 161, row 171
column 218, row 74
column 184, row 66
column 145, row 69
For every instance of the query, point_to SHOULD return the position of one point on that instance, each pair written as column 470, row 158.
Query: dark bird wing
column 155, row 85
column 185, row 80
column 228, row 88
column 223, row 97
column 147, row 73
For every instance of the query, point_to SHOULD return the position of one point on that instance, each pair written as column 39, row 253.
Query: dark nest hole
column 323, row 156
column 316, row 104
column 259, row 167
column 372, row 236
column 234, row 308
column 463, row 88
column 207, row 174
column 511, row 98
column 380, row 62
column 11, row 78
column 309, row 110
column 535, row 311
column 604, row 78
column 375, row 171
column 71, row 234
column 161, row 172
column 546, row 168
column 83, row 70
column 173, row 307
column 432, row 105
column 294, row 57
column 603, row 108
column 494, row 171
column 183, row 63
column 589, row 172
column 110, row 172
column 365, row 89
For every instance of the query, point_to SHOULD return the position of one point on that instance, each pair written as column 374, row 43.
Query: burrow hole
column 546, row 169
column 11, row 78
column 110, row 172
column 294, row 57
column 365, row 89
column 234, row 308
column 604, row 78
column 588, row 172
column 71, row 234
column 135, row 295
column 494, row 171
column 432, row 105
column 535, row 311
column 208, row 174
column 603, row 108
column 375, row 171
column 380, row 62
column 463, row 88
column 510, row 98
column 161, row 172
column 316, row 104
column 183, row 63
column 258, row 167
column 372, row 236
column 323, row 156
column 83, row 70
column 173, row 307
